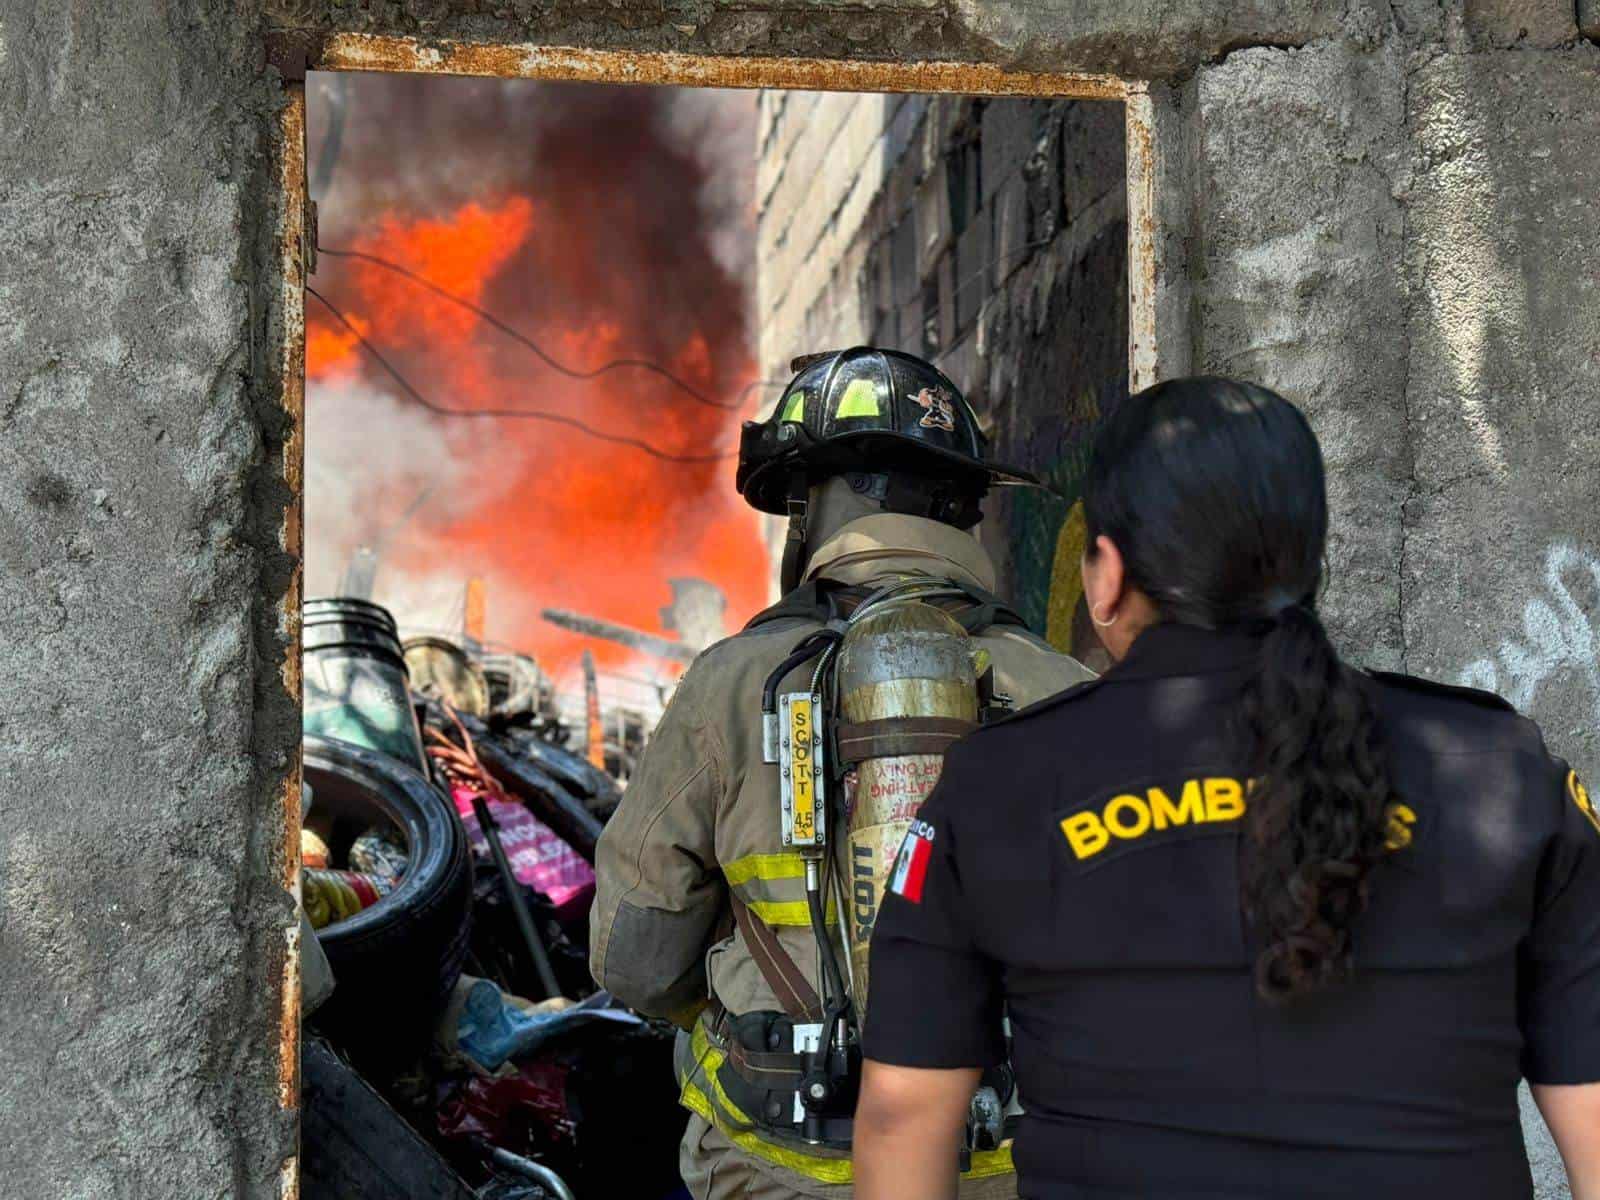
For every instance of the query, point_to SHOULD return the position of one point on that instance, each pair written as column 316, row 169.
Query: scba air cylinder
column 907, row 686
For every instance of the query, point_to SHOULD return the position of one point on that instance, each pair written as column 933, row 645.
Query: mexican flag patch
column 911, row 864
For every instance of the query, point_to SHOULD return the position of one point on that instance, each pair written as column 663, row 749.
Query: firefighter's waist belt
column 892, row 736
column 763, row 1079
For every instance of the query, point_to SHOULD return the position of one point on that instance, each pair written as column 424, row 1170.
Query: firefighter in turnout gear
column 727, row 905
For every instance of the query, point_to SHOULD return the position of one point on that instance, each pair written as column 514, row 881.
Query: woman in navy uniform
column 1264, row 925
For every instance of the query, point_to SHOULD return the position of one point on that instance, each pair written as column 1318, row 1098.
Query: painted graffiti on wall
column 1046, row 534
column 1558, row 634
column 1056, row 355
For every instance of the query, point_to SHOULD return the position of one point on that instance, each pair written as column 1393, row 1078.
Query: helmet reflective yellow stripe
column 860, row 399
column 866, row 409
column 723, row 1113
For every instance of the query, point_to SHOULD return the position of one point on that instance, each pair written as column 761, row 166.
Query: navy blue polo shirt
column 1078, row 868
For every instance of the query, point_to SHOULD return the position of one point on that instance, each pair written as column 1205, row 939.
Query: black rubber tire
column 597, row 790
column 395, row 963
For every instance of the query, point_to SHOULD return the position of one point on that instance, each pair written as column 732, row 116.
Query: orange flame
column 333, row 351
column 580, row 524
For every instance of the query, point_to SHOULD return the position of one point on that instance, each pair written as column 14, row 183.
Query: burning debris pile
column 598, row 224
column 448, row 872
column 527, row 360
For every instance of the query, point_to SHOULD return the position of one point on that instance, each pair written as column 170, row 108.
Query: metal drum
column 355, row 680
column 442, row 669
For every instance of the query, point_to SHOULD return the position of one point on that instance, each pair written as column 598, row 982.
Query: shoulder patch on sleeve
column 911, row 864
column 1580, row 796
column 1412, row 683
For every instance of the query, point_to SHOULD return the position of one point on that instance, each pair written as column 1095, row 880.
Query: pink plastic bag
column 538, row 857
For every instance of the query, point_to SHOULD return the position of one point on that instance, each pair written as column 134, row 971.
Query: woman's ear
column 1104, row 580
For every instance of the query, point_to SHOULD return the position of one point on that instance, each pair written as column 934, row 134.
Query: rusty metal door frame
column 1157, row 306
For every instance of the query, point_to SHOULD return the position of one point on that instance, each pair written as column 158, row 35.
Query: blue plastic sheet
column 493, row 1028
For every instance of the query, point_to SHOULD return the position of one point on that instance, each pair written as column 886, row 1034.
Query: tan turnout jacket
column 701, row 818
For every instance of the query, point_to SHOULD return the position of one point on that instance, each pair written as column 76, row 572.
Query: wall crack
column 1408, row 416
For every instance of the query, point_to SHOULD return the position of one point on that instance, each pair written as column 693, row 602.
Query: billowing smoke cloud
column 604, row 223
column 722, row 126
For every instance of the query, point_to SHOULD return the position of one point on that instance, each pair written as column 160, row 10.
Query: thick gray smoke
column 644, row 234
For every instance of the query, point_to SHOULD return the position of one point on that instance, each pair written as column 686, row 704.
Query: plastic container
column 356, row 687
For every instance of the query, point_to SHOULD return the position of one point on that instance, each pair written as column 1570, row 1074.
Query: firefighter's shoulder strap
column 986, row 609
column 822, row 600
column 813, row 600
column 782, row 973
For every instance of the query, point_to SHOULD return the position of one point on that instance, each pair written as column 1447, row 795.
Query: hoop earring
column 1103, row 624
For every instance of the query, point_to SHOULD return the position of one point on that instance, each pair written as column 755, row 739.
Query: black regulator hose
column 836, row 987
column 812, row 645
column 825, row 1083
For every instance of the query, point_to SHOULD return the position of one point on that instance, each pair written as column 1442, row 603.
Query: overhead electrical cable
column 615, row 364
column 638, row 364
column 508, row 413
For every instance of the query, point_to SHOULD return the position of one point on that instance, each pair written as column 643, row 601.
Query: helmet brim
column 766, row 487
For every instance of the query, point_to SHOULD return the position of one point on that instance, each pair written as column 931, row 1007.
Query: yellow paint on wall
column 1066, row 579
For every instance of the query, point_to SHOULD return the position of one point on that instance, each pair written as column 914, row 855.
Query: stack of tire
column 394, row 963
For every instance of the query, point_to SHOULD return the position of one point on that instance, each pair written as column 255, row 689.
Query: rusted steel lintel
column 288, row 146
column 1143, row 268
column 372, row 52
column 1158, row 305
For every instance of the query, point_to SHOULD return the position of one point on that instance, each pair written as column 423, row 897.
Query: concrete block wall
column 988, row 235
column 1386, row 210
column 1298, row 156
column 1501, row 528
column 145, row 730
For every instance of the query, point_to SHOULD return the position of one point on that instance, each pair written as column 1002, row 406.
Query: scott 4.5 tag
column 800, row 767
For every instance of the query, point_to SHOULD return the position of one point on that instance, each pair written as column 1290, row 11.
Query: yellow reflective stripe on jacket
column 787, row 865
column 708, row 1057
column 709, row 1060
column 760, row 879
column 990, row 1162
column 789, row 912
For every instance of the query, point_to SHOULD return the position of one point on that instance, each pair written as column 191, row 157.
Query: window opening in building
column 539, row 315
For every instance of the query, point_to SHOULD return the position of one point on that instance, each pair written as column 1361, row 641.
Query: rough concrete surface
column 1589, row 19
column 1395, row 224
column 1544, row 1160
column 1502, row 23
column 1502, row 547
column 141, row 746
column 1297, row 233
column 1133, row 37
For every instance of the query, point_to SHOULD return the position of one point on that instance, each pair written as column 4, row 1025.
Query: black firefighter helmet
column 866, row 410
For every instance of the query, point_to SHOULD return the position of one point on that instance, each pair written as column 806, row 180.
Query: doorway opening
column 525, row 316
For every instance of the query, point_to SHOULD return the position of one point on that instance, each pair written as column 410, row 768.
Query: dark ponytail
column 1317, row 808
column 1213, row 491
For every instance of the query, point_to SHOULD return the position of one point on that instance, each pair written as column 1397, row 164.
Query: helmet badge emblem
column 940, row 414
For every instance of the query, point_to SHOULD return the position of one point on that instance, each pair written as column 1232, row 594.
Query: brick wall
column 987, row 235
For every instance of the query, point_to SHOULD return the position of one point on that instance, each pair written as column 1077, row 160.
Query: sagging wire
column 522, row 339
column 508, row 413
column 641, row 364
